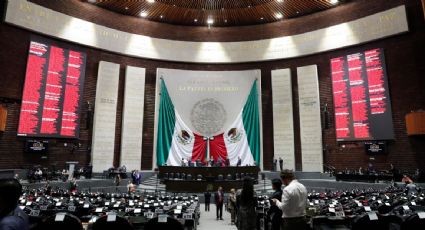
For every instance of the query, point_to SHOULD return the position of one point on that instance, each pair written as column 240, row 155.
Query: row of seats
column 90, row 208
column 220, row 177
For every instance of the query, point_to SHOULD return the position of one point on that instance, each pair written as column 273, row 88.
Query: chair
column 229, row 177
column 170, row 224
column 171, row 176
column 183, row 176
column 220, row 177
column 70, row 222
column 363, row 222
column 119, row 223
column 199, row 177
column 177, row 176
column 413, row 222
column 189, row 177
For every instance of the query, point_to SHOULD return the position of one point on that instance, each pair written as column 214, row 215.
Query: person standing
column 11, row 216
column 207, row 197
column 275, row 165
column 246, row 202
column 239, row 162
column 274, row 213
column 231, row 204
column 281, row 163
column 293, row 203
column 219, row 200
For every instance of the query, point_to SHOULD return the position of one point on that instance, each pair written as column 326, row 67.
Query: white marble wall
column 283, row 120
column 103, row 141
column 40, row 19
column 310, row 122
column 132, row 123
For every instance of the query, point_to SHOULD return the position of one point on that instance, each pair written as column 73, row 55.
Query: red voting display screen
column 52, row 92
column 361, row 97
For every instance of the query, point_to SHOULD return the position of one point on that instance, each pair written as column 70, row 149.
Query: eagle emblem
column 183, row 137
column 234, row 135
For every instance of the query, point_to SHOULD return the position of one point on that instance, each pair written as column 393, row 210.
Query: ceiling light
column 225, row 20
column 126, row 8
column 151, row 1
column 279, row 0
column 91, row 1
column 262, row 18
column 334, row 1
column 161, row 16
column 210, row 21
column 278, row 15
column 195, row 20
column 144, row 14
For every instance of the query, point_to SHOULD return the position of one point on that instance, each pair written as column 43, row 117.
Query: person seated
column 211, row 162
column 219, row 162
column 227, row 162
column 11, row 216
column 131, row 188
column 406, row 179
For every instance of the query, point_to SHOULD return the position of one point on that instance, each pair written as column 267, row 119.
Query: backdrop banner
column 208, row 114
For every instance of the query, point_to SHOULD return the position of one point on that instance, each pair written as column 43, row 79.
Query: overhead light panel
column 279, row 15
column 144, row 14
column 210, row 21
column 151, row 1
column 334, row 2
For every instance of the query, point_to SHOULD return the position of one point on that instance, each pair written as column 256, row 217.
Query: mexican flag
column 242, row 138
column 175, row 140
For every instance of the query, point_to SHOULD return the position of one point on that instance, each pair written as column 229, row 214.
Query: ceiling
column 216, row 12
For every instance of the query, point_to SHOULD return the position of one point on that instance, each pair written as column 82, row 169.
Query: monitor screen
column 35, row 146
column 361, row 97
column 53, row 90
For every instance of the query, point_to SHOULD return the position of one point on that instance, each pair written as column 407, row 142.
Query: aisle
column 208, row 220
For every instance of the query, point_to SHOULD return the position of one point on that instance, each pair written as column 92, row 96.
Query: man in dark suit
column 207, row 197
column 11, row 216
column 219, row 200
column 274, row 213
column 239, row 162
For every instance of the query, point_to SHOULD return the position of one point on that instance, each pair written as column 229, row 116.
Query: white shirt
column 294, row 200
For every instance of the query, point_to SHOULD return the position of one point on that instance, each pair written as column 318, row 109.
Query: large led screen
column 361, row 97
column 53, row 90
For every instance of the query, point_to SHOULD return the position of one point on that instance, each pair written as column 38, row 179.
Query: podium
column 71, row 168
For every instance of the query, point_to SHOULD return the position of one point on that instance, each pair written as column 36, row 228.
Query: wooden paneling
column 3, row 117
column 221, row 12
column 415, row 123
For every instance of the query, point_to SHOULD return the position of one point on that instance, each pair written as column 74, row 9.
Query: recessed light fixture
column 334, row 1
column 91, row 1
column 195, row 20
column 279, row 15
column 161, row 16
column 151, row 1
column 210, row 21
column 144, row 14
column 262, row 18
column 279, row 0
column 225, row 20
column 126, row 8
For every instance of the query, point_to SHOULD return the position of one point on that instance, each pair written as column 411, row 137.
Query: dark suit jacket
column 17, row 220
column 217, row 200
column 207, row 196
